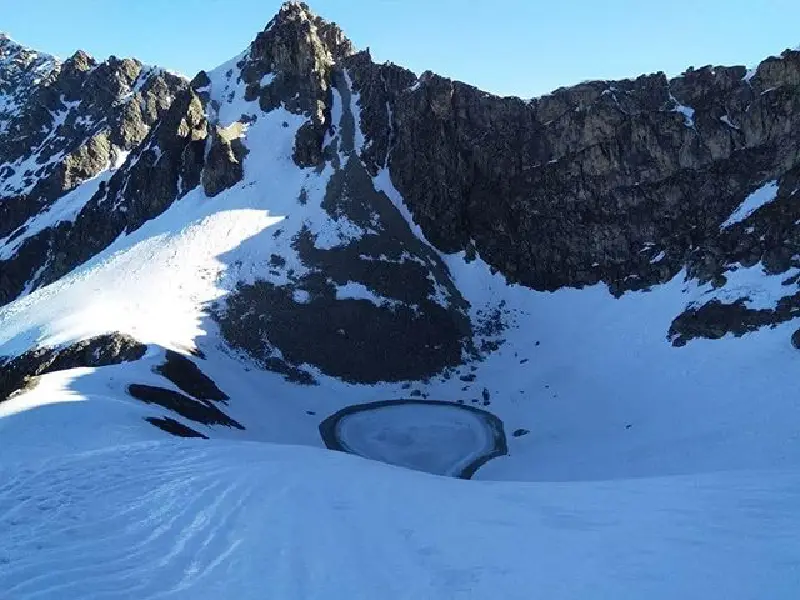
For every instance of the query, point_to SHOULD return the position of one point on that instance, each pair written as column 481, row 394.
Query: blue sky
column 521, row 47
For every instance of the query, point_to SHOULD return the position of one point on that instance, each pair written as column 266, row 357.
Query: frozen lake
column 443, row 438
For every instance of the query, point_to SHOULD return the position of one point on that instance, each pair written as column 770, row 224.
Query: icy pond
column 443, row 438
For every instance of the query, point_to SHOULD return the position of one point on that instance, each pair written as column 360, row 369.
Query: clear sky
column 521, row 47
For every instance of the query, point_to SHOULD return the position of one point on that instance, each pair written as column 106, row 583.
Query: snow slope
column 246, row 520
column 763, row 195
column 65, row 208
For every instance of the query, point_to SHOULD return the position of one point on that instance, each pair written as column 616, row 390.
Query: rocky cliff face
column 595, row 182
column 63, row 125
column 628, row 182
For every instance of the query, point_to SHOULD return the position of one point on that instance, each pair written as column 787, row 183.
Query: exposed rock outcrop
column 589, row 183
column 291, row 63
column 111, row 349
column 223, row 163
column 69, row 122
column 410, row 321
column 181, row 371
column 175, row 428
column 167, row 164
column 187, row 407
column 715, row 319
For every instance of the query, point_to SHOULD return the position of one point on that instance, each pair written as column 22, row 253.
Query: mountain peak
column 296, row 22
column 295, row 9
column 291, row 62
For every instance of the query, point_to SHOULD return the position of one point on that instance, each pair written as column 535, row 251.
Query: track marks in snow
column 198, row 520
column 163, row 526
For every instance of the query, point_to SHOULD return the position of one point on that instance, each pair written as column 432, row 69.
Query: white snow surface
column 751, row 284
column 762, row 196
column 649, row 471
column 242, row 520
column 686, row 111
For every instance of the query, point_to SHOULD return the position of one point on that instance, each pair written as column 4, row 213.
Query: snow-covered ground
column 188, row 519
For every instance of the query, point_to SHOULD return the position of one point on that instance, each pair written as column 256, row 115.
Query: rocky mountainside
column 628, row 184
column 64, row 127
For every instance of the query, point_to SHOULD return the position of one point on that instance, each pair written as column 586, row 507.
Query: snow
column 759, row 290
column 358, row 291
column 440, row 439
column 34, row 280
column 60, row 116
column 687, row 112
column 331, row 233
column 725, row 119
column 116, row 290
column 301, row 296
column 762, row 196
column 187, row 519
column 355, row 110
column 24, row 178
column 336, row 118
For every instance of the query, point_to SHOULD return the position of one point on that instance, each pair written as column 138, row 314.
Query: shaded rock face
column 715, row 319
column 63, row 123
column 111, row 349
column 796, row 339
column 181, row 371
column 407, row 319
column 223, row 164
column 197, row 401
column 175, row 428
column 587, row 184
column 187, row 407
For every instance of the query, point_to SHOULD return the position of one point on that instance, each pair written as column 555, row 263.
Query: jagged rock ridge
column 63, row 125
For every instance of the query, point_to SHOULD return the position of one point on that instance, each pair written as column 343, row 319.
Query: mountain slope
column 65, row 128
column 188, row 520
column 610, row 270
